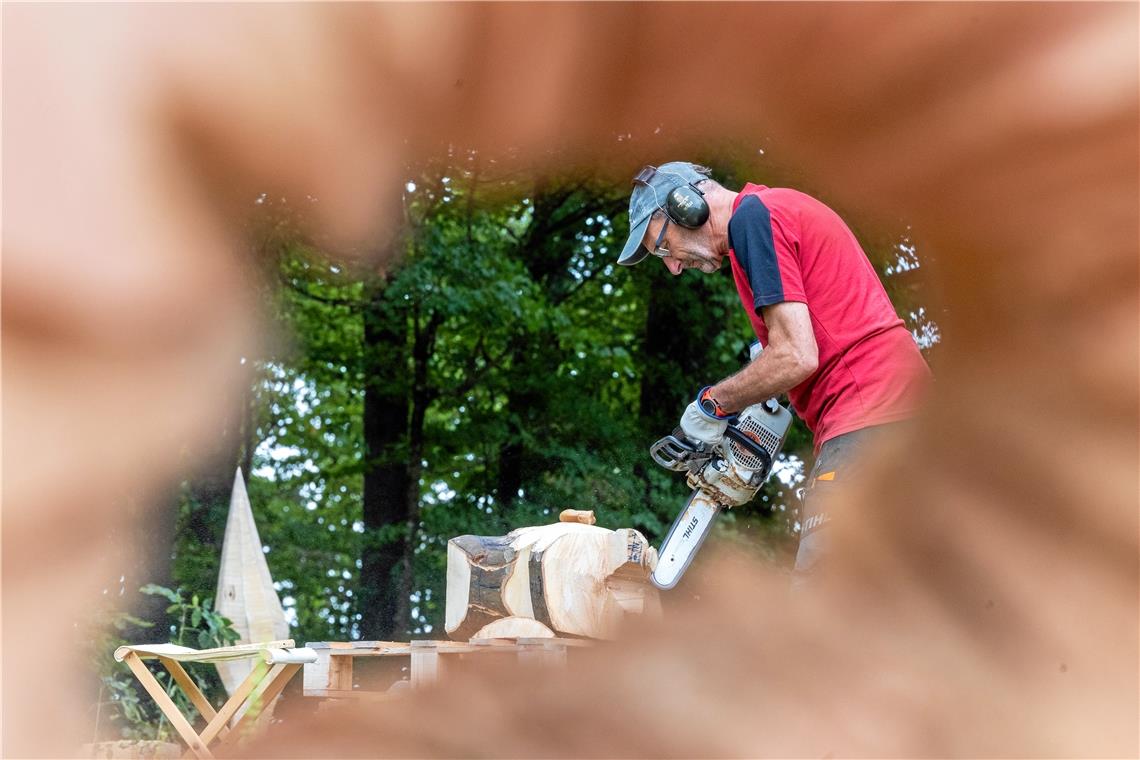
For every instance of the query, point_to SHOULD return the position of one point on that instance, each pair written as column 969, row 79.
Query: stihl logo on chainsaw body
column 689, row 530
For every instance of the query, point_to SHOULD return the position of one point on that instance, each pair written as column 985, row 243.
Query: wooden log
column 573, row 578
column 513, row 628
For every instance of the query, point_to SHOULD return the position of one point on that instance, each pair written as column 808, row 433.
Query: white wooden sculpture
column 245, row 589
column 566, row 579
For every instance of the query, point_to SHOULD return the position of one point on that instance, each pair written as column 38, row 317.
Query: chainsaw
column 726, row 474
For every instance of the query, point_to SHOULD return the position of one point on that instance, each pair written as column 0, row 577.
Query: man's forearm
column 775, row 371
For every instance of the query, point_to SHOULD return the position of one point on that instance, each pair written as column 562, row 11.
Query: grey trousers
column 838, row 463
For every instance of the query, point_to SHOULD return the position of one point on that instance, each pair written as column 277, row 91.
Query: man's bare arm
column 790, row 357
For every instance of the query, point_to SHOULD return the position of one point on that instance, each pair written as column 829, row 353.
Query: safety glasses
column 659, row 250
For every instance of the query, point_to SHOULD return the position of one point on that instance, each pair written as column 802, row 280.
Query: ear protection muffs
column 684, row 204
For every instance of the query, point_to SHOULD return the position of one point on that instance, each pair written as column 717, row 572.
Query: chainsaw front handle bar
column 672, row 453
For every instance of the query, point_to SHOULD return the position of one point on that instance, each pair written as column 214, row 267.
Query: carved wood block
column 574, row 579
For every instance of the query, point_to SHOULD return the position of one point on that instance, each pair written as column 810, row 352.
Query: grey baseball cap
column 648, row 196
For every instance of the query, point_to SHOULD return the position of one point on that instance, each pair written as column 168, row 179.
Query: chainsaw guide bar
column 689, row 531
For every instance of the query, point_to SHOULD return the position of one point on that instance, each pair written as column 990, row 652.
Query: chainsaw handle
column 672, row 453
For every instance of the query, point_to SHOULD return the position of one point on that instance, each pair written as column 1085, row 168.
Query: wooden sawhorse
column 277, row 662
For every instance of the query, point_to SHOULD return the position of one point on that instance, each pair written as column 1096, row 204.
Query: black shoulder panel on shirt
column 750, row 236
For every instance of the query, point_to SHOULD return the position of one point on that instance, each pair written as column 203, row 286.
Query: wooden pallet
column 331, row 676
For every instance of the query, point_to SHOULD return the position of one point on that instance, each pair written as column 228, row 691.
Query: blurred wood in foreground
column 990, row 564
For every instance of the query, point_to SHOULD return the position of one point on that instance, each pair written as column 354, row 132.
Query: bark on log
column 575, row 579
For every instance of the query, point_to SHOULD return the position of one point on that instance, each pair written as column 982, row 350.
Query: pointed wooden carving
column 245, row 591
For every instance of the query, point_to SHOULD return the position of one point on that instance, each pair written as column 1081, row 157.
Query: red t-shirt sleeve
column 768, row 253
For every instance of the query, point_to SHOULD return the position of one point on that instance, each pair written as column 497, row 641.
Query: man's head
column 668, row 217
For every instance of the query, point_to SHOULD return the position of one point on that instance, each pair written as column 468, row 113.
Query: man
column 831, row 339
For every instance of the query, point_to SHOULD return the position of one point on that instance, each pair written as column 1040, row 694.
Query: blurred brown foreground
column 985, row 601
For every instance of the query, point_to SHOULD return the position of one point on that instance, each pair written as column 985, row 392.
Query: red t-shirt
column 787, row 246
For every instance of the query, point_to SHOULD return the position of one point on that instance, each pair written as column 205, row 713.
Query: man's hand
column 704, row 420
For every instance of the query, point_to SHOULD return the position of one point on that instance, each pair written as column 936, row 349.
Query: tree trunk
column 509, row 478
column 510, row 471
column 516, row 461
column 384, row 608
column 422, row 349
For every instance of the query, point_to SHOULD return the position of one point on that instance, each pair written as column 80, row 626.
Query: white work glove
column 704, row 421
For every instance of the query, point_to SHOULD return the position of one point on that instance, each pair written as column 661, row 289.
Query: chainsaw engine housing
column 732, row 471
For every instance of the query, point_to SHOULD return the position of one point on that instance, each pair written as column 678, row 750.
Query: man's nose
column 674, row 266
